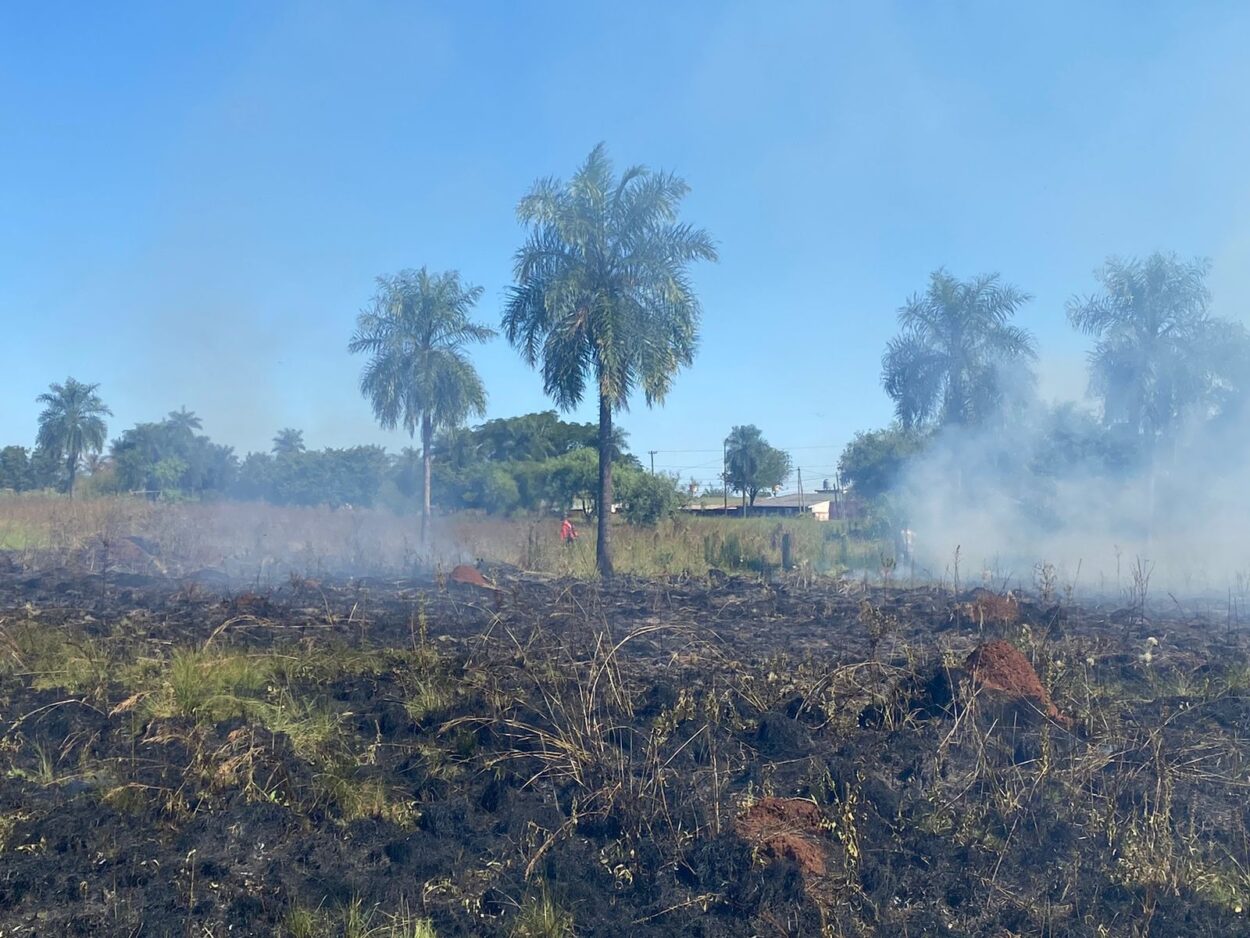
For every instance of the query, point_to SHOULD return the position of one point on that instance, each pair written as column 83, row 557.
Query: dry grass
column 265, row 543
column 647, row 738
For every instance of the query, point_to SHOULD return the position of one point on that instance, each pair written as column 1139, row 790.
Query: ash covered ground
column 192, row 756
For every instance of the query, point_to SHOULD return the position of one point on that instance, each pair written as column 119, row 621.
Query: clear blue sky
column 197, row 197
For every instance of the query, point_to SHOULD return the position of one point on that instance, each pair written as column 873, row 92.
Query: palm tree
column 602, row 294
column 1157, row 352
column 288, row 442
column 95, row 462
column 945, row 364
column 184, row 421
column 417, row 374
column 72, row 423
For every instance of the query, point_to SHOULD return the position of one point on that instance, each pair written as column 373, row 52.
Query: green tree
column 649, row 497
column 288, row 441
column 46, row 469
column 418, row 374
column 72, row 423
column 491, row 488
column 1158, row 353
column 168, row 459
column 15, row 470
column 572, row 476
column 527, row 437
column 334, row 477
column 255, row 478
column 873, row 462
column 406, row 471
column 945, row 364
column 751, row 464
column 167, row 474
column 602, row 295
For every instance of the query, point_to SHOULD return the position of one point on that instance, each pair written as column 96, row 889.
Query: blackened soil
column 605, row 749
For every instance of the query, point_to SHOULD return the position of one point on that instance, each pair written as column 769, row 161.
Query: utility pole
column 651, row 453
column 724, row 477
column 800, row 471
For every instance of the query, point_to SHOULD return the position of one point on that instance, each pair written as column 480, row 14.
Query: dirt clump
column 986, row 606
column 785, row 829
column 1000, row 667
column 470, row 576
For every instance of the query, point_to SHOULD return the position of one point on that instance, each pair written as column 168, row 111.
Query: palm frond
column 601, row 291
column 414, row 332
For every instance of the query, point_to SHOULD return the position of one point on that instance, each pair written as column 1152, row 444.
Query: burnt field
column 186, row 756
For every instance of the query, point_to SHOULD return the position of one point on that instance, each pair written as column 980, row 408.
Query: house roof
column 788, row 500
column 794, row 500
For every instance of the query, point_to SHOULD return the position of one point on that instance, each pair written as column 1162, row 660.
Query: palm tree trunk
column 427, row 431
column 603, row 549
column 1151, row 497
column 71, row 464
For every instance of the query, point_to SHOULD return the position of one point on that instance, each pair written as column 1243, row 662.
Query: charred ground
column 695, row 757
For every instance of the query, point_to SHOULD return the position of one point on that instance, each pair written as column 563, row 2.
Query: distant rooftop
column 794, row 499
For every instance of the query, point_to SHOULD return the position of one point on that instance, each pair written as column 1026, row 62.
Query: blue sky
column 195, row 198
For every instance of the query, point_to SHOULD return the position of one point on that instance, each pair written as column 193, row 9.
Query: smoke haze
column 995, row 504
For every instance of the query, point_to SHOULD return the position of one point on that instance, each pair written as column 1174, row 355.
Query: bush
column 648, row 497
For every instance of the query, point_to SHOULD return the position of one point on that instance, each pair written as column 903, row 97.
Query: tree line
column 532, row 462
column 1161, row 365
column 602, row 304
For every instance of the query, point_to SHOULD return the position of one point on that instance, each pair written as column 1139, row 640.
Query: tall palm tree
column 72, row 423
column 1157, row 352
column 184, row 421
column 288, row 441
column 418, row 374
column 1159, row 355
column 956, row 337
column 602, row 294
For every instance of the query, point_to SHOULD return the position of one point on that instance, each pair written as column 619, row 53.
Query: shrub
column 648, row 497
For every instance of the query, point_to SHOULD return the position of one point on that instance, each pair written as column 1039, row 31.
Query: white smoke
column 993, row 505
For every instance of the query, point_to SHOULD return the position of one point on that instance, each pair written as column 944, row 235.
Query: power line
column 811, row 446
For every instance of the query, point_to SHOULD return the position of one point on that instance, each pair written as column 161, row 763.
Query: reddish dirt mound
column 463, row 573
column 785, row 828
column 999, row 666
column 988, row 606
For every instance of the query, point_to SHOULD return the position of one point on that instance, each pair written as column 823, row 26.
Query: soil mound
column 785, row 829
column 463, row 573
column 1000, row 667
column 985, row 606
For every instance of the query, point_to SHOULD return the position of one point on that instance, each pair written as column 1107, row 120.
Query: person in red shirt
column 568, row 533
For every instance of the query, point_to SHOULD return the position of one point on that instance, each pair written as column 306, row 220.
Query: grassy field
column 263, row 541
